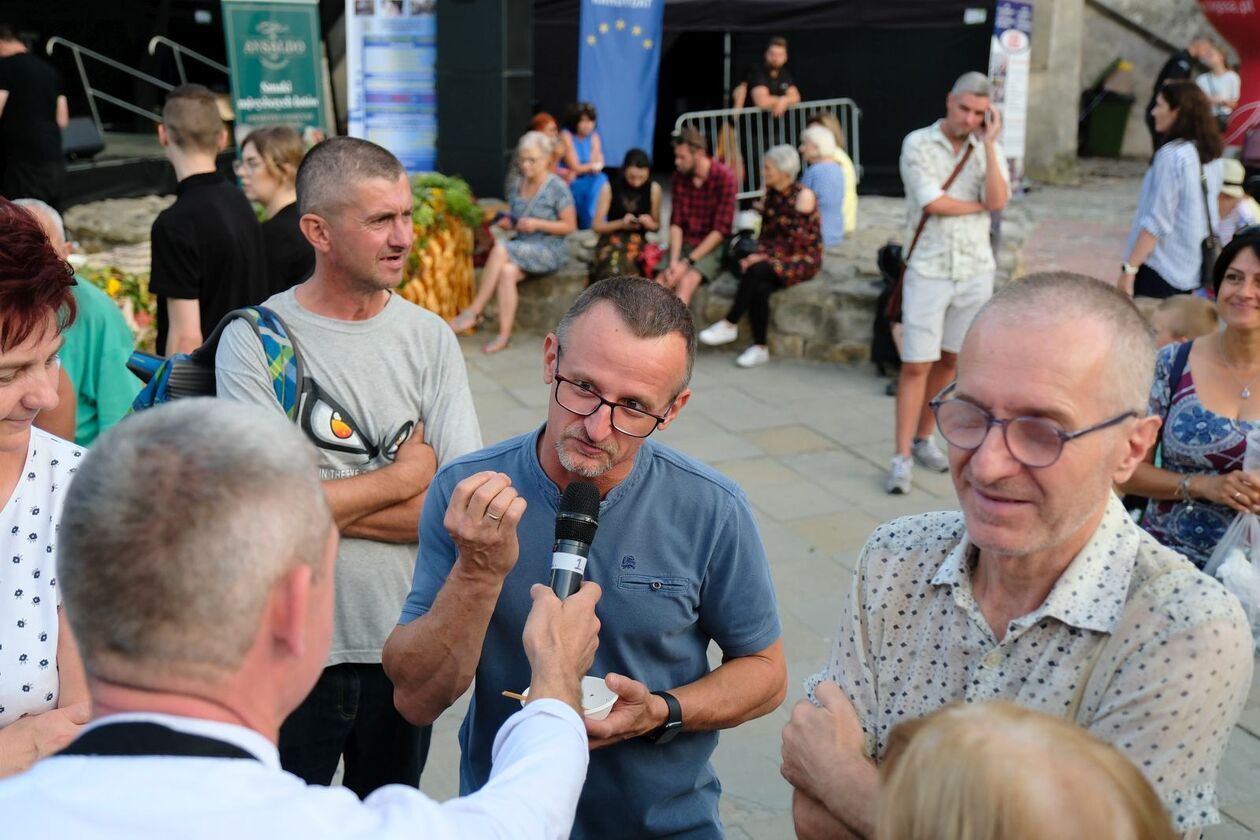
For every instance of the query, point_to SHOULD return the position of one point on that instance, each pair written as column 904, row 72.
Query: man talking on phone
column 954, row 173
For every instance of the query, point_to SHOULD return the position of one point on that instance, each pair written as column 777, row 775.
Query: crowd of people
column 217, row 602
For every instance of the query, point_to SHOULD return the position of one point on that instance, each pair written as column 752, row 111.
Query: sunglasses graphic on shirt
column 330, row 426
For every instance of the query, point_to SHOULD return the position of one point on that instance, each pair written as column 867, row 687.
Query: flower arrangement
column 130, row 290
column 438, row 274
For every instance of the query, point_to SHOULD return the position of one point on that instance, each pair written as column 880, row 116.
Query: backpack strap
column 283, row 359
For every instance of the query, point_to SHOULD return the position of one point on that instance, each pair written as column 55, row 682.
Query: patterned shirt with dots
column 28, row 577
column 1170, row 648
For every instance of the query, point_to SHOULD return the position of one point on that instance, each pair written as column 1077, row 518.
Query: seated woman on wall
column 584, row 157
column 825, row 179
column 541, row 214
column 544, row 122
column 629, row 207
column 831, row 122
column 270, row 158
column 789, row 251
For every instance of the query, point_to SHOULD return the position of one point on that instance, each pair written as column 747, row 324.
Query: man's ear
column 289, row 602
column 551, row 352
column 315, row 229
column 676, row 408
column 221, row 141
column 164, row 139
column 1139, row 442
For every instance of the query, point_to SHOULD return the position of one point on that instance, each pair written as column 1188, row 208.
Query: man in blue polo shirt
column 677, row 554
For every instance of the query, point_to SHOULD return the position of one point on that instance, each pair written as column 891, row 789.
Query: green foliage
column 438, row 196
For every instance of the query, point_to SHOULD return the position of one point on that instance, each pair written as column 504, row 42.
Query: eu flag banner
column 619, row 55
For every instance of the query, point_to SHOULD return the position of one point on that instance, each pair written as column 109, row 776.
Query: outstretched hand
column 636, row 712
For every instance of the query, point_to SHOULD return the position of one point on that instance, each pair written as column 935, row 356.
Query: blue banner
column 619, row 55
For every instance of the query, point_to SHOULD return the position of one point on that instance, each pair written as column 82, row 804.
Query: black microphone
column 576, row 521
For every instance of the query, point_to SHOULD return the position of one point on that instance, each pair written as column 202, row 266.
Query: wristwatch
column 686, row 259
column 1128, row 269
column 668, row 730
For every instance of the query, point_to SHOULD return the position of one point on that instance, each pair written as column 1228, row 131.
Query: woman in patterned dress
column 1208, row 414
column 541, row 213
column 43, row 692
column 629, row 208
column 789, row 251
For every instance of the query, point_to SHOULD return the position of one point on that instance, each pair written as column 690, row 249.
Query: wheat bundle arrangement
column 439, row 270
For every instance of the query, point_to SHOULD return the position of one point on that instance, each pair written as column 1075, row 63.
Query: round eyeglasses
column 1033, row 441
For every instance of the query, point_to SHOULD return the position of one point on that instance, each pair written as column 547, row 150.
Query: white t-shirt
column 1226, row 85
column 28, row 577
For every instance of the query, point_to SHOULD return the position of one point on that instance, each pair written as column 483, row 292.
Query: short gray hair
column 179, row 522
column 823, row 140
column 973, row 82
column 337, row 163
column 785, row 158
column 1065, row 297
column 48, row 212
column 647, row 308
column 535, row 140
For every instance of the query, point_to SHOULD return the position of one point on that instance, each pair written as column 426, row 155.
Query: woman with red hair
column 43, row 695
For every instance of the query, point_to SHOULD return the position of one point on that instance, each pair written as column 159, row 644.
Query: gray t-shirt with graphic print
column 367, row 384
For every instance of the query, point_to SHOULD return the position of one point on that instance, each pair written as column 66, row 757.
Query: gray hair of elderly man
column 784, row 158
column 973, row 82
column 335, row 164
column 42, row 208
column 178, row 524
column 1062, row 297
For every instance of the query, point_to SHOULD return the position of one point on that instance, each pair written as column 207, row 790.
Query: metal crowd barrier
column 739, row 137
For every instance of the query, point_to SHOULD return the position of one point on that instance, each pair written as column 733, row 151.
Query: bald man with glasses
column 1041, row 590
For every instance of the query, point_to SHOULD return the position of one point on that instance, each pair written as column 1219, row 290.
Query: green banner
column 274, row 53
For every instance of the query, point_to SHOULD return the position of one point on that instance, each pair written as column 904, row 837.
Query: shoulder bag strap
column 918, row 231
column 151, row 739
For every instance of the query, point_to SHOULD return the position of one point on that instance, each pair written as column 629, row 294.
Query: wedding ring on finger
column 1237, row 495
column 497, row 518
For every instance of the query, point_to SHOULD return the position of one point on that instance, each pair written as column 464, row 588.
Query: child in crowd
column 1180, row 318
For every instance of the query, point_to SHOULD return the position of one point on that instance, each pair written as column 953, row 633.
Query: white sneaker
column 723, row 332
column 898, row 481
column 928, row 456
column 753, row 356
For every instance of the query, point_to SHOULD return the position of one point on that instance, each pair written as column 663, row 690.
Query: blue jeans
column 350, row 712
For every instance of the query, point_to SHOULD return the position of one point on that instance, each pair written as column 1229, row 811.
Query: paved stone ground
column 809, row 444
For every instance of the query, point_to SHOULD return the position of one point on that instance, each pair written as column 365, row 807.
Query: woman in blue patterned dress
column 541, row 213
column 584, row 156
column 1208, row 414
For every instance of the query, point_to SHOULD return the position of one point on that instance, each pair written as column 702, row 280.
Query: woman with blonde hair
column 268, row 167
column 994, row 770
column 831, row 122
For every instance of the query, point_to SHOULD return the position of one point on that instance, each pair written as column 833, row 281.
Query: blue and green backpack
column 192, row 374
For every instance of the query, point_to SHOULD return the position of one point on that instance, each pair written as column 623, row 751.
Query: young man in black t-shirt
column 769, row 85
column 208, row 252
column 33, row 111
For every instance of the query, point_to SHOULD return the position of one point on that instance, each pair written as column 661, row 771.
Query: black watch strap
column 667, row 731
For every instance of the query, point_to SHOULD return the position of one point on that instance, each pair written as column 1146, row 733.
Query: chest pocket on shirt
column 653, row 584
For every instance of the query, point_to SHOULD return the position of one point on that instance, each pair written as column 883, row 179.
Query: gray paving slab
column 809, row 444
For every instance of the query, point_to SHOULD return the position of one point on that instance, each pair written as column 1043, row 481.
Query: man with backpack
column 384, row 397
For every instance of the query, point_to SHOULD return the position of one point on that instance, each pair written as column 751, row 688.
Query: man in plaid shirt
column 703, row 195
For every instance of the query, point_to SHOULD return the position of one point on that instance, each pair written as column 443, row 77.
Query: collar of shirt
column 941, row 138
column 624, row 487
column 1091, row 592
column 201, row 179
column 249, row 740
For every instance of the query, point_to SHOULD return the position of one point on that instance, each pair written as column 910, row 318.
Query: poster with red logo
column 1008, row 71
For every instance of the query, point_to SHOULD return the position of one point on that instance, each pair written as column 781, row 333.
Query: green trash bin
column 1104, row 123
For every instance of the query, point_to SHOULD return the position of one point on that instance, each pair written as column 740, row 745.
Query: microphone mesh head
column 581, row 498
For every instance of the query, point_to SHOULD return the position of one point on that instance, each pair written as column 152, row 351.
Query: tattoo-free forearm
column 740, row 689
column 398, row 523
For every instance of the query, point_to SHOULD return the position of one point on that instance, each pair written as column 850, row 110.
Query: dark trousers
column 753, row 296
column 39, row 179
column 1149, row 283
column 350, row 712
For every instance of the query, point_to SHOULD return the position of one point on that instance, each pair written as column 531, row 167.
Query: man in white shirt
column 196, row 566
column 949, row 270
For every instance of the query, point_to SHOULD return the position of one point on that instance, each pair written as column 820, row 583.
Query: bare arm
column 711, row 240
column 432, row 660
column 597, row 154
column 398, row 523
column 1236, row 489
column 601, row 223
column 762, row 97
column 996, row 191
column 813, row 821
column 739, row 95
column 388, row 494
column 654, row 224
column 63, row 112
column 4, row 97
column 793, row 95
column 184, row 331
column 60, row 421
column 949, row 206
column 1142, row 249
column 570, row 153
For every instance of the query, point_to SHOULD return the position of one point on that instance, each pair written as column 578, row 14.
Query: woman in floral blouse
column 1208, row 413
column 789, row 251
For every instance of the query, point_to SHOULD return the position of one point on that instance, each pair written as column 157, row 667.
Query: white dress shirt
column 1172, row 648
column 540, row 757
column 953, row 247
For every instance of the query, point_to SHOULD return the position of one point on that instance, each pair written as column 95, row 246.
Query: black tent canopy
column 759, row 15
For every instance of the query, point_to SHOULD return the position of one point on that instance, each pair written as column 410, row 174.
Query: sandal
column 465, row 321
column 500, row 343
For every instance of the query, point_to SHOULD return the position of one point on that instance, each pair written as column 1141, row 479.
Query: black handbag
column 1210, row 247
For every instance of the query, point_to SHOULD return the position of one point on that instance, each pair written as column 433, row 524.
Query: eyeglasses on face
column 579, row 398
column 240, row 167
column 1032, row 441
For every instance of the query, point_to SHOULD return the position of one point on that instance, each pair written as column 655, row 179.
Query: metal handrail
column 92, row 93
column 740, row 136
column 180, row 50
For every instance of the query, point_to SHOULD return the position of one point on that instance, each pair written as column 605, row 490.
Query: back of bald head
column 334, row 165
column 1063, row 298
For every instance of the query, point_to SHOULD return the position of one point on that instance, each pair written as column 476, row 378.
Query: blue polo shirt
column 681, row 564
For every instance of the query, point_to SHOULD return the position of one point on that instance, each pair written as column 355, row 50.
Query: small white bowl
column 597, row 698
